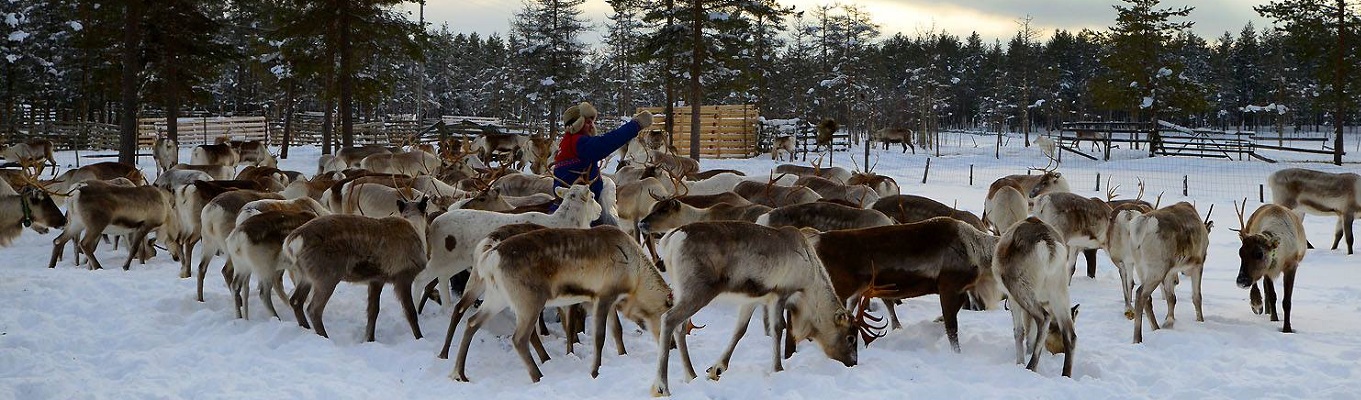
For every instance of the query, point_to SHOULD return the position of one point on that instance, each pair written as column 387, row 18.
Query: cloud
column 992, row 19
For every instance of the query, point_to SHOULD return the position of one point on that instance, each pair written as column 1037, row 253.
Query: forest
column 353, row 60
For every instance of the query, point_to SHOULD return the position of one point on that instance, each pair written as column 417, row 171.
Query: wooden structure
column 725, row 131
column 204, row 130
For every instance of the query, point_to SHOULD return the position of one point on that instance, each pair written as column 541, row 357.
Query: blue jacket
column 581, row 154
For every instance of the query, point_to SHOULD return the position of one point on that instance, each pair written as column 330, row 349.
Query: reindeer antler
column 868, row 331
column 1210, row 224
column 1111, row 193
column 1141, row 190
column 1242, row 226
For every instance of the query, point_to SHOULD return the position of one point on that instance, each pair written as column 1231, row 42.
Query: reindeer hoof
column 1287, row 330
column 660, row 391
column 1129, row 314
column 715, row 372
column 459, row 377
column 1167, row 323
column 1257, row 308
column 184, row 275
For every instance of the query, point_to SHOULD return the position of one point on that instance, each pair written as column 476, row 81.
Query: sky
column 992, row 19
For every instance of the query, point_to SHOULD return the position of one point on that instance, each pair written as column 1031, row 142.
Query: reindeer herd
column 809, row 246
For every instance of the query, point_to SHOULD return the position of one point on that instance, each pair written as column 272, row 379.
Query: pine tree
column 1326, row 31
column 1143, row 72
column 553, row 54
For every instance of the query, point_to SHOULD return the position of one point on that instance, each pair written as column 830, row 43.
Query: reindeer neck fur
column 11, row 215
column 819, row 297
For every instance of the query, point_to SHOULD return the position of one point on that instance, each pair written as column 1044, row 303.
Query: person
column 581, row 150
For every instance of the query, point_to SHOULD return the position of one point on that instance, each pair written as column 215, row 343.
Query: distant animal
column 33, row 155
column 782, row 144
column 166, row 151
column 901, row 136
column 214, row 154
column 1319, row 193
column 826, row 131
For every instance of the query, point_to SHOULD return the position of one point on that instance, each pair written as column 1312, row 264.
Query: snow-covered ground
column 71, row 333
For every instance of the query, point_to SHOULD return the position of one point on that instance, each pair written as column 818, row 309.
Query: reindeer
column 253, row 152
column 1098, row 139
column 32, row 155
column 1120, row 247
column 1273, row 244
column 1005, row 205
column 1030, row 260
column 638, row 149
column 860, row 195
column 1169, row 241
column 941, row 255
column 214, row 154
column 102, row 171
column 540, row 153
column 455, row 234
column 523, row 185
column 823, row 217
column 883, row 185
column 352, row 156
column 836, row 174
column 529, row 271
column 33, row 208
column 351, row 248
column 375, row 200
column 105, row 209
column 826, row 131
column 782, row 144
column 1082, row 222
column 715, row 184
column 1035, row 185
column 675, row 211
column 906, row 208
column 166, row 151
column 218, row 172
column 255, row 245
column 772, row 195
column 1319, row 193
column 217, row 219
column 143, row 251
column 901, row 136
column 765, row 266
column 675, row 165
column 175, row 179
column 409, row 163
column 262, row 206
column 511, row 147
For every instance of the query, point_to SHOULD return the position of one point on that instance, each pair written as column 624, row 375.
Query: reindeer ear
column 1074, row 309
column 1273, row 242
column 560, row 192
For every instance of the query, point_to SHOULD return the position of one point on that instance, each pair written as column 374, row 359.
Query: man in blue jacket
column 581, row 150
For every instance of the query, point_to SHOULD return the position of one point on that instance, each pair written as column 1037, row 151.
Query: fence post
column 1098, row 181
column 970, row 174
column 1185, row 185
column 927, row 171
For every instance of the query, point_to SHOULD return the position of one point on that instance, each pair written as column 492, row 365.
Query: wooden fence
column 725, row 131
column 204, row 130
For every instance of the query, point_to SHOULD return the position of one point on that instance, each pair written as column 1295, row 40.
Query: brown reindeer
column 218, row 172
column 1273, row 244
column 351, row 156
column 529, row 271
column 906, row 208
column 824, row 216
column 105, row 209
column 253, row 152
column 255, row 246
column 889, row 136
column 166, row 151
column 940, row 255
column 1082, row 222
column 773, row 195
column 1169, row 241
column 1036, row 185
column 102, row 171
column 860, row 195
column 1319, row 193
column 214, row 154
column 765, row 265
column 351, row 248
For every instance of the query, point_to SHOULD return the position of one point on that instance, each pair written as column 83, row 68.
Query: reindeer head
column 651, row 297
column 1052, row 181
column 1054, row 342
column 1257, row 252
column 39, row 211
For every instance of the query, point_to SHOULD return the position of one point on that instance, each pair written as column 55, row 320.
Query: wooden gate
column 725, row 131
column 194, row 131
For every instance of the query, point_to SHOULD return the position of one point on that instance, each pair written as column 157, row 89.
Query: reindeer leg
column 777, row 329
column 402, row 288
column 1255, row 299
column 949, row 309
column 1126, row 287
column 296, row 302
column 1143, row 302
column 892, row 313
column 617, row 329
column 568, row 316
column 470, row 295
column 670, row 333
column 524, row 329
column 489, row 309
column 1041, row 334
column 1091, row 262
column 602, row 310
column 1019, row 322
column 275, row 284
column 88, row 242
column 187, row 245
column 1348, row 217
column 58, row 245
column 1269, row 287
column 239, row 290
column 537, row 341
column 1169, row 289
column 318, row 306
column 743, row 319
column 1195, row 292
column 135, row 246
column 1342, row 220
column 1289, row 287
column 789, row 344
column 203, row 261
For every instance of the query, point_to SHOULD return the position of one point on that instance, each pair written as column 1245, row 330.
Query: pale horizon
column 992, row 19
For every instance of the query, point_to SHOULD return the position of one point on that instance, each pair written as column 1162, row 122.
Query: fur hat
column 575, row 117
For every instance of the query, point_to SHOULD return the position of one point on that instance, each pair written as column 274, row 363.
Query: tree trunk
column 1339, row 83
column 132, row 38
column 670, row 79
column 697, row 35
column 288, row 122
column 346, row 78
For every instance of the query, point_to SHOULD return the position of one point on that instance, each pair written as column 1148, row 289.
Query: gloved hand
column 644, row 119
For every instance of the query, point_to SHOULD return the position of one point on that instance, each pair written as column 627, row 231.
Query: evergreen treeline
column 88, row 61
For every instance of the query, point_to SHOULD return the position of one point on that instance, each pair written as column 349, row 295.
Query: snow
column 13, row 57
column 1146, row 103
column 18, row 36
column 547, row 81
column 75, row 25
column 11, row 19
column 72, row 333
